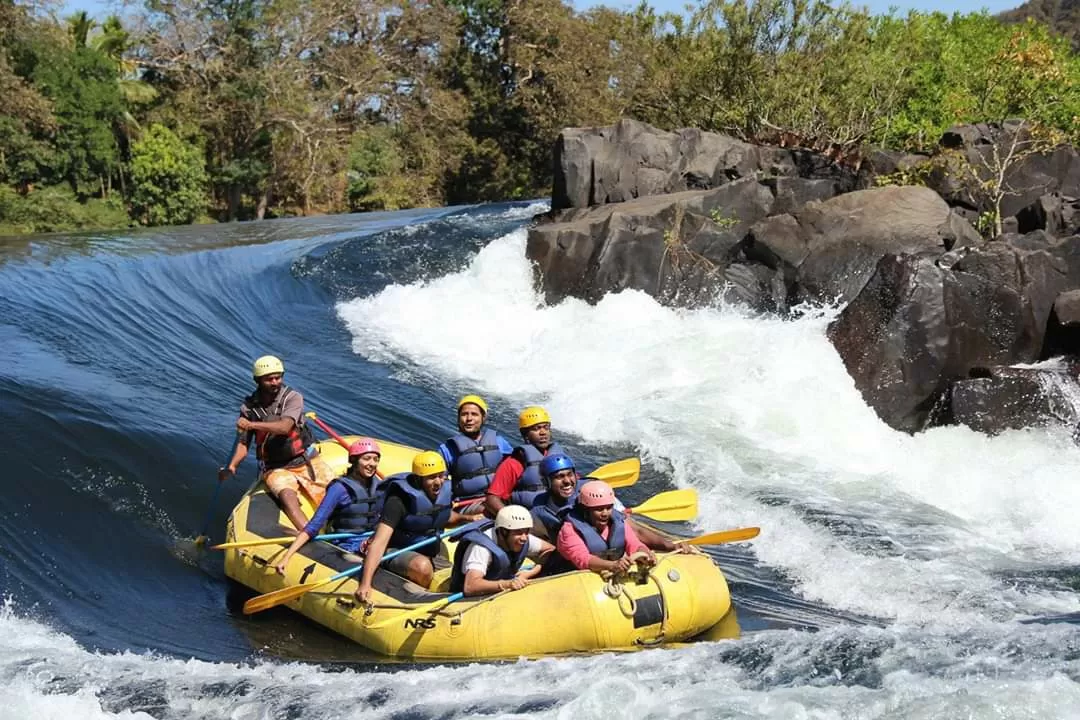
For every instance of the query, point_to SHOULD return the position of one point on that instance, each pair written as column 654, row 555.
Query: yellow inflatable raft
column 682, row 598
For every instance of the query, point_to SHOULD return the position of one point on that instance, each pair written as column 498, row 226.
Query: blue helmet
column 554, row 463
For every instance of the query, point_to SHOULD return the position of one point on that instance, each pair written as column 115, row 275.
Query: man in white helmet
column 273, row 417
column 489, row 561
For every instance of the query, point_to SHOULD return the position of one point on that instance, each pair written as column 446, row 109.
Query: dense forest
column 200, row 110
column 1061, row 16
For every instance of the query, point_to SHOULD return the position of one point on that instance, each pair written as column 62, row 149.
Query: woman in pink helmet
column 596, row 536
column 352, row 504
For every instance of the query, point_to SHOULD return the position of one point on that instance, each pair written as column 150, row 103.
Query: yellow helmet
column 428, row 463
column 267, row 365
column 475, row 400
column 532, row 415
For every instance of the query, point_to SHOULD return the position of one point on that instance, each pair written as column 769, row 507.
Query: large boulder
column 675, row 247
column 1004, row 398
column 920, row 323
column 628, row 160
column 830, row 248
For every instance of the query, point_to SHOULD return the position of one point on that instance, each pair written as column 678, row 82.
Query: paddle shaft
column 286, row 539
column 330, row 431
column 202, row 538
column 277, row 597
column 327, row 429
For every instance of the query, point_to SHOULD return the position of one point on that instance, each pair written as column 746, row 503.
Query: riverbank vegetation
column 199, row 110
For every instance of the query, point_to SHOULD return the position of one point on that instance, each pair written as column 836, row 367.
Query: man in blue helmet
column 552, row 506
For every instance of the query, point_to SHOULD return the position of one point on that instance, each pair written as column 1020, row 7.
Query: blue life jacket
column 611, row 549
column 530, row 484
column 551, row 513
column 423, row 518
column 502, row 567
column 474, row 462
column 366, row 507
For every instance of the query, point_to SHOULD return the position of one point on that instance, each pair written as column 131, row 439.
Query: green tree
column 168, row 178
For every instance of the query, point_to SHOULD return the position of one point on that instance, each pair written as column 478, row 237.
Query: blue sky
column 101, row 7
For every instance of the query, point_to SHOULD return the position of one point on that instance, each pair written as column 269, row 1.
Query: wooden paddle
column 284, row 540
column 670, row 506
column 723, row 536
column 284, row 595
column 421, row 610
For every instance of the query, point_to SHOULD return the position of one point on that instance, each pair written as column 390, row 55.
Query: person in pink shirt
column 597, row 537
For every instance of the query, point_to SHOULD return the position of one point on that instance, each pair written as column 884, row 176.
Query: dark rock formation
column 690, row 217
column 1009, row 398
column 923, row 321
column 628, row 160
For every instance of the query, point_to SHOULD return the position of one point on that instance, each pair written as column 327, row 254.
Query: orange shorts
column 299, row 478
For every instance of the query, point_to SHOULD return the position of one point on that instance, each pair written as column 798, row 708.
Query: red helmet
column 364, row 445
column 596, row 493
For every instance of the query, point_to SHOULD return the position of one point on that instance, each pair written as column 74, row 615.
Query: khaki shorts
column 299, row 478
column 399, row 565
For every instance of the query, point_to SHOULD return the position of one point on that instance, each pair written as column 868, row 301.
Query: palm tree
column 80, row 26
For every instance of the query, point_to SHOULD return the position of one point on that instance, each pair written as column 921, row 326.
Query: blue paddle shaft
column 342, row 536
column 420, row 544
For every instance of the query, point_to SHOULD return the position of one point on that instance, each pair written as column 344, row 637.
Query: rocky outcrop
column 629, row 160
column 1011, row 398
column 690, row 217
column 922, row 322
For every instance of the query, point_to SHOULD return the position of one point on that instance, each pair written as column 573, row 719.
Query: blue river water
column 896, row 576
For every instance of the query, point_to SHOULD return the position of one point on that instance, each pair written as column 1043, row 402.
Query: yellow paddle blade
column 279, row 597
column 670, row 506
column 416, row 611
column 254, row 543
column 621, row 473
column 724, row 536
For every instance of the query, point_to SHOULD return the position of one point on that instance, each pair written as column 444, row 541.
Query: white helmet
column 514, row 517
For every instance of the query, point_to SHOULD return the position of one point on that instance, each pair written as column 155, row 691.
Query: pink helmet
column 364, row 445
column 596, row 493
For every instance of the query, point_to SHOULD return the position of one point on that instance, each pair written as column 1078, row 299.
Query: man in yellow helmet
column 273, row 417
column 517, row 479
column 474, row 453
column 417, row 506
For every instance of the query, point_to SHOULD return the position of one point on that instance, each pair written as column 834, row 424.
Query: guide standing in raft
column 273, row 418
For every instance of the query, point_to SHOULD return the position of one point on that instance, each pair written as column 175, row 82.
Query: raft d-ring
column 658, row 640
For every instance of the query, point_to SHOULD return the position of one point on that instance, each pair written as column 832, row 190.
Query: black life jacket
column 278, row 451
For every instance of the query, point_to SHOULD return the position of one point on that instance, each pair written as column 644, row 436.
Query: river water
column 895, row 577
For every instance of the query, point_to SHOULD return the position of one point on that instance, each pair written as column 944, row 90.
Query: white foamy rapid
column 836, row 673
column 760, row 415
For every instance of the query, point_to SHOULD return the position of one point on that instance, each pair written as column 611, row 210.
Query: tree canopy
column 253, row 108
